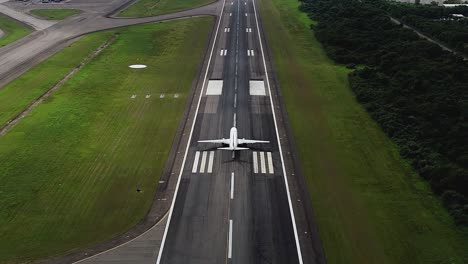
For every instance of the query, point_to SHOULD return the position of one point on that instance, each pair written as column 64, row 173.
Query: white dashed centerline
column 230, row 239
column 232, row 185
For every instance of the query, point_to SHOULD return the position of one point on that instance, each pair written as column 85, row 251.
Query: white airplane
column 233, row 141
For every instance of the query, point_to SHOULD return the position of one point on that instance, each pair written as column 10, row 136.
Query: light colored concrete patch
column 137, row 66
column 215, row 87
column 36, row 23
column 257, row 88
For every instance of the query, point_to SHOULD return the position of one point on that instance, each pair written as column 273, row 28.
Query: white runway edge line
column 291, row 210
column 230, row 239
column 171, row 209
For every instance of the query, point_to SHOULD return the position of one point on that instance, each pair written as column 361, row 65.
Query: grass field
column 24, row 90
column 144, row 8
column 13, row 31
column 370, row 205
column 71, row 169
column 54, row 14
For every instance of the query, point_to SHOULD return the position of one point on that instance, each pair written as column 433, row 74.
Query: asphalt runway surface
column 233, row 210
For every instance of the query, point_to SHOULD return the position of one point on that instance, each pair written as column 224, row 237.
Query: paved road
column 233, row 211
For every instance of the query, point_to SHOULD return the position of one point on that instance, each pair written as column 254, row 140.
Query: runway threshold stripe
column 270, row 163
column 255, row 163
column 210, row 162
column 203, row 162
column 230, row 239
column 232, row 185
column 195, row 162
column 262, row 162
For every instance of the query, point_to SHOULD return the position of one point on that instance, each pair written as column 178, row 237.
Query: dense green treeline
column 435, row 21
column 417, row 92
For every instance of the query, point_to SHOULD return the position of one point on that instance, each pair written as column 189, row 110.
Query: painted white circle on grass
column 138, row 66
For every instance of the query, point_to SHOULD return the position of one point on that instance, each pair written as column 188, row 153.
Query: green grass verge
column 144, row 8
column 12, row 31
column 70, row 169
column 370, row 205
column 54, row 14
column 18, row 94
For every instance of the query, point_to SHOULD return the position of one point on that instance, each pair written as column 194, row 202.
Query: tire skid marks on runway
column 203, row 162
column 263, row 161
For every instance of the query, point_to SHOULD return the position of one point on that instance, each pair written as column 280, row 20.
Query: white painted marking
column 225, row 52
column 176, row 95
column 210, row 162
column 245, row 3
column 234, row 120
column 137, row 66
column 148, row 96
column 230, row 14
column 133, row 96
column 291, row 210
column 245, row 14
column 270, row 163
column 232, row 185
column 221, row 52
column 235, row 100
column 255, row 162
column 252, row 52
column 203, row 162
column 230, row 239
column 195, row 162
column 262, row 162
column 215, row 87
column 161, row 96
column 171, row 209
column 257, row 88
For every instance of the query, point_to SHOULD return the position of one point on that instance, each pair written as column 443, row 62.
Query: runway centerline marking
column 232, row 185
column 291, row 210
column 171, row 209
column 195, row 162
column 230, row 239
column 234, row 120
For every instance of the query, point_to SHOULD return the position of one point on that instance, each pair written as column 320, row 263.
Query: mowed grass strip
column 71, row 169
column 21, row 92
column 370, row 205
column 145, row 8
column 12, row 30
column 54, row 14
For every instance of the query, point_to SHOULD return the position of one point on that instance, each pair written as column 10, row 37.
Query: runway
column 233, row 210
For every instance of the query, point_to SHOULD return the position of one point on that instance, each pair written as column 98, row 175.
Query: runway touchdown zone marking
column 203, row 162
column 265, row 161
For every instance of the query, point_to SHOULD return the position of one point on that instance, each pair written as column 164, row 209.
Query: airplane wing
column 250, row 141
column 215, row 141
